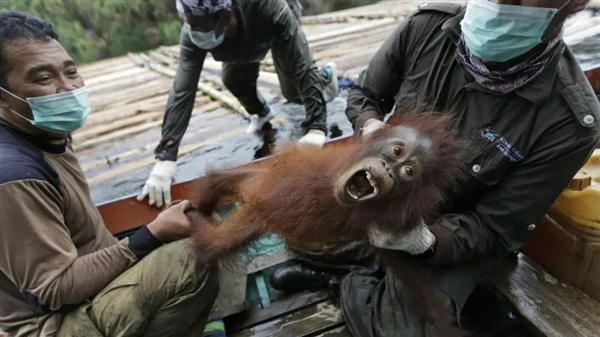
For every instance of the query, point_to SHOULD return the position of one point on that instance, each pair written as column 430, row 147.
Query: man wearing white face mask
column 503, row 70
column 240, row 33
column 62, row 272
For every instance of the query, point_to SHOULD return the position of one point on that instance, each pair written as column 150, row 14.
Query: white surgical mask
column 61, row 113
column 205, row 40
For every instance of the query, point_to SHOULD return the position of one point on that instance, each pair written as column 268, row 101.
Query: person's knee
column 229, row 80
column 290, row 93
column 181, row 263
column 239, row 80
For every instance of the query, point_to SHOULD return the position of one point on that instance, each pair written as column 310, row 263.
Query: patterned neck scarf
column 202, row 7
column 513, row 78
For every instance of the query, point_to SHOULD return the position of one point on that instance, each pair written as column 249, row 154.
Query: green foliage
column 98, row 29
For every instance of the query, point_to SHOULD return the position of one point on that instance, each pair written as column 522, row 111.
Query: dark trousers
column 240, row 80
column 374, row 302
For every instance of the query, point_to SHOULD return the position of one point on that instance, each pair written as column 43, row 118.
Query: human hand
column 370, row 126
column 414, row 242
column 172, row 224
column 158, row 186
column 314, row 138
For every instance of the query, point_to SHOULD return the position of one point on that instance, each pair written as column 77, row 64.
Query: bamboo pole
column 212, row 64
column 352, row 29
column 121, row 123
column 342, row 18
column 335, row 53
column 109, row 174
column 162, row 58
column 327, row 44
column 130, row 71
column 229, row 102
column 155, row 88
column 146, row 148
column 137, row 129
column 136, row 59
column 102, row 67
column 106, row 88
column 111, row 114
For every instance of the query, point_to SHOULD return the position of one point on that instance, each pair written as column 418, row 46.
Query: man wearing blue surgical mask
column 240, row 33
column 62, row 272
column 516, row 91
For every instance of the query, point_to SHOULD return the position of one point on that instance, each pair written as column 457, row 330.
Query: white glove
column 314, row 138
column 159, row 183
column 371, row 127
column 414, row 242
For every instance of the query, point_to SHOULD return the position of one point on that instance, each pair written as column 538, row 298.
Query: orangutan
column 310, row 196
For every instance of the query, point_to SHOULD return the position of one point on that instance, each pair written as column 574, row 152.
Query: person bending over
column 240, row 33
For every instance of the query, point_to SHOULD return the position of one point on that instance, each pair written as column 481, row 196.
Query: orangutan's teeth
column 371, row 180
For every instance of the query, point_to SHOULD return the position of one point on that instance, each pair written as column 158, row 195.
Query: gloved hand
column 158, row 186
column 314, row 138
column 415, row 242
column 371, row 125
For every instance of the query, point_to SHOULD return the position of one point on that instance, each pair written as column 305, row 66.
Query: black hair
column 17, row 26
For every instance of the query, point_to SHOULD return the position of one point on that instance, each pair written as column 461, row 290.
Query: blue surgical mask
column 498, row 33
column 59, row 113
column 205, row 40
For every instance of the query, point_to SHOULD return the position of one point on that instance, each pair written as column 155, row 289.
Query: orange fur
column 294, row 197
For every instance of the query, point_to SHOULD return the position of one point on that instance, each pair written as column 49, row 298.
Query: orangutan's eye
column 409, row 171
column 396, row 150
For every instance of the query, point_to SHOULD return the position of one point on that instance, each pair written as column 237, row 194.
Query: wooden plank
column 279, row 308
column 119, row 133
column 310, row 321
column 117, row 171
column 342, row 331
column 550, row 308
column 349, row 30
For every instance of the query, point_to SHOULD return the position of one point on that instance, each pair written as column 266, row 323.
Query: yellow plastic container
column 567, row 241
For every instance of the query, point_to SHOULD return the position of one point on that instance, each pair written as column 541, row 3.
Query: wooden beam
column 117, row 171
column 136, row 129
column 148, row 148
column 285, row 306
column 310, row 321
column 549, row 307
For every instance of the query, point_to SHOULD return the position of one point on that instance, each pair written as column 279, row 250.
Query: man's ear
column 227, row 15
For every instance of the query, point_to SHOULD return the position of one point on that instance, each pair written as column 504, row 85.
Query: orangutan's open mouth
column 362, row 185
